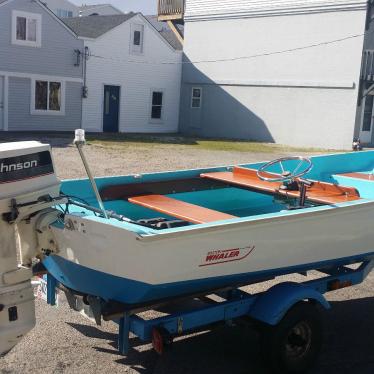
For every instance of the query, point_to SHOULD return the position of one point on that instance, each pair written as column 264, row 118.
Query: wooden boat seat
column 179, row 209
column 319, row 192
column 245, row 178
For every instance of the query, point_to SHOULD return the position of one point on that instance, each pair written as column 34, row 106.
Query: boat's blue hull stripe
column 110, row 287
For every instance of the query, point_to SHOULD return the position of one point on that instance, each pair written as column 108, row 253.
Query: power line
column 265, row 54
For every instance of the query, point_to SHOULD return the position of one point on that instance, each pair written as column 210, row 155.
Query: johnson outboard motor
column 29, row 189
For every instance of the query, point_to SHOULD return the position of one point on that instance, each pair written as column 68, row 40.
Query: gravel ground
column 66, row 342
column 146, row 158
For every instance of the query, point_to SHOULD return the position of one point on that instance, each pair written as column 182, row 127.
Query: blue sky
column 144, row 6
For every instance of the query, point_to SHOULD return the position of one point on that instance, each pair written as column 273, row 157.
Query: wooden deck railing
column 171, row 9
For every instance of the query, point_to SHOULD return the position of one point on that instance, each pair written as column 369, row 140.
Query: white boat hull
column 209, row 257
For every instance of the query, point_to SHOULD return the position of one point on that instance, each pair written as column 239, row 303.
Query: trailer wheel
column 294, row 343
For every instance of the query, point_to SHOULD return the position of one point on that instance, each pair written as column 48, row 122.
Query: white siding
column 197, row 9
column 53, row 61
column 137, row 76
column 306, row 97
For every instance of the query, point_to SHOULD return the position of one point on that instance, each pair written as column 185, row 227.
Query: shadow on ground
column 66, row 138
column 221, row 350
column 348, row 347
column 59, row 139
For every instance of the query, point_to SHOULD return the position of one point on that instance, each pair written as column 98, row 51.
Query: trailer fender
column 272, row 305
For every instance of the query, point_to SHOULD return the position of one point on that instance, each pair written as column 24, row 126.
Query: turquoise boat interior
column 188, row 199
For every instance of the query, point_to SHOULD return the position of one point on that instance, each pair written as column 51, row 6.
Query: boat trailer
column 270, row 310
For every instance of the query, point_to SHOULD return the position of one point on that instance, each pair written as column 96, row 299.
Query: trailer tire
column 293, row 345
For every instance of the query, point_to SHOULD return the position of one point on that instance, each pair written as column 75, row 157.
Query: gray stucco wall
column 236, row 112
column 303, row 98
column 221, row 115
column 21, row 119
column 56, row 55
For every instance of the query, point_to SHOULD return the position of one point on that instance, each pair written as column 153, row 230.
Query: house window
column 196, row 97
column 137, row 36
column 26, row 29
column 137, row 39
column 62, row 13
column 157, row 104
column 48, row 97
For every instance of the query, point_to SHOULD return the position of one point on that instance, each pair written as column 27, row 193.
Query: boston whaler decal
column 227, row 255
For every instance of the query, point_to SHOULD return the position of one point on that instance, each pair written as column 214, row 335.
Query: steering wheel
column 305, row 164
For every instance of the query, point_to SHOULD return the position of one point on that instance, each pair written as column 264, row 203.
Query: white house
column 285, row 71
column 130, row 88
column 62, row 8
column 98, row 10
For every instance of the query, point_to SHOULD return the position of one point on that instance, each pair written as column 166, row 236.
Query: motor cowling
column 28, row 187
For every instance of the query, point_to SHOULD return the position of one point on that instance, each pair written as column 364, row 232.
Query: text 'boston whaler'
column 140, row 239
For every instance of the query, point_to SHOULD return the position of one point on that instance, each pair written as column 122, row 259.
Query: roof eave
column 273, row 12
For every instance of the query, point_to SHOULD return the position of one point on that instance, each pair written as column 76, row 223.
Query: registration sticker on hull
column 227, row 255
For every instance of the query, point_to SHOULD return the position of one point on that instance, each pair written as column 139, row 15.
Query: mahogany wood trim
column 319, row 192
column 244, row 178
column 367, row 177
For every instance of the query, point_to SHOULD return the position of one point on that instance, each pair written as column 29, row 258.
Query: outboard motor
column 29, row 189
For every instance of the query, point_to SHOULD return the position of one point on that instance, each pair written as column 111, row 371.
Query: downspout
column 85, row 59
column 84, row 88
column 362, row 92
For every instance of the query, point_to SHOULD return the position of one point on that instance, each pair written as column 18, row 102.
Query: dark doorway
column 111, row 108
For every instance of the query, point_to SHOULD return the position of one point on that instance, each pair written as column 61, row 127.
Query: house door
column 367, row 120
column 1, row 103
column 111, row 108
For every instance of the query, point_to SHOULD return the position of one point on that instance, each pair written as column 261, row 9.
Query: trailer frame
column 268, row 307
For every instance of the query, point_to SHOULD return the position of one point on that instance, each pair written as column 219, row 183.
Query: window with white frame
column 157, row 105
column 62, row 13
column 26, row 29
column 137, row 38
column 196, row 97
column 48, row 97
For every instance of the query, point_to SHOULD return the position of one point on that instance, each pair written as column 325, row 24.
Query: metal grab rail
column 171, row 7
